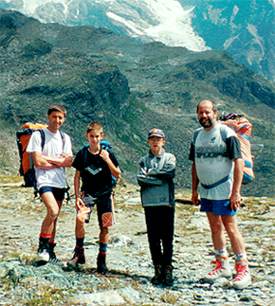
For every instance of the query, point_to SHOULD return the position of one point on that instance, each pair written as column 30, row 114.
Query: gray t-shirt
column 213, row 159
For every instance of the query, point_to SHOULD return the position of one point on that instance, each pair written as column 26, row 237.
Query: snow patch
column 167, row 21
column 253, row 55
column 162, row 20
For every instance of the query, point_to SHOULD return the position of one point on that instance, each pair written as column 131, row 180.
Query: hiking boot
column 43, row 255
column 242, row 278
column 168, row 279
column 53, row 258
column 78, row 257
column 222, row 269
column 157, row 279
column 101, row 264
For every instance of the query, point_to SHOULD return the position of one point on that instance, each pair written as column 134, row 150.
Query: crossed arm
column 47, row 162
column 155, row 176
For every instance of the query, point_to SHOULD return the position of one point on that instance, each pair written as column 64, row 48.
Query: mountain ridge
column 244, row 29
column 129, row 86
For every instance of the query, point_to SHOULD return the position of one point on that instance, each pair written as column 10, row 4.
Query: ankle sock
column 240, row 257
column 103, row 248
column 221, row 253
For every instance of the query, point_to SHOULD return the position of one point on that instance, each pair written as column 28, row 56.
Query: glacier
column 167, row 21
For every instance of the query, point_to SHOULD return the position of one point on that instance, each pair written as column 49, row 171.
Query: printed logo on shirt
column 212, row 140
column 210, row 151
column 93, row 171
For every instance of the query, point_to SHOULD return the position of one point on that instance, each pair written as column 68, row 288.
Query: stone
column 104, row 298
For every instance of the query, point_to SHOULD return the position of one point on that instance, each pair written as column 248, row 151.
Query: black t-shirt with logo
column 94, row 171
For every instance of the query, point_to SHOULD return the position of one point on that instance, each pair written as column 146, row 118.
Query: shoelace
column 217, row 268
column 241, row 272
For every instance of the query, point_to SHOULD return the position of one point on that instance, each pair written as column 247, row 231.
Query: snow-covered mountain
column 244, row 28
column 163, row 20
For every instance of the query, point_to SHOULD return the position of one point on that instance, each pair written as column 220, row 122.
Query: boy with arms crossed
column 156, row 173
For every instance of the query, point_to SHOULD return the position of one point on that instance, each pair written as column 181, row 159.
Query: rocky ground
column 128, row 282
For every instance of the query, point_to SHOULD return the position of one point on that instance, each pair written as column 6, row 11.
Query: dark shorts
column 104, row 208
column 58, row 193
column 217, row 207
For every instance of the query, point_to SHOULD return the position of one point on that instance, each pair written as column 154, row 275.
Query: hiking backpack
column 105, row 144
column 243, row 129
column 26, row 163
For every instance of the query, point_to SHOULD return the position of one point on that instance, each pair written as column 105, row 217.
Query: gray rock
column 121, row 240
column 104, row 298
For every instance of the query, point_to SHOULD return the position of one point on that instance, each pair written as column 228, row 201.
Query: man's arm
column 195, row 183
column 46, row 162
column 41, row 162
column 234, row 153
column 235, row 198
column 195, row 179
column 64, row 161
column 66, row 158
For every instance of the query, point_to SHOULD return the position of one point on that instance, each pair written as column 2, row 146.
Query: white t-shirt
column 53, row 148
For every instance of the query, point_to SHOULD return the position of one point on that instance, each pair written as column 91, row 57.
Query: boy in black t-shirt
column 95, row 167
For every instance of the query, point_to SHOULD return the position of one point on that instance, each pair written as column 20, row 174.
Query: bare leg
column 53, row 209
column 104, row 235
column 217, row 231
column 234, row 234
column 55, row 221
column 79, row 222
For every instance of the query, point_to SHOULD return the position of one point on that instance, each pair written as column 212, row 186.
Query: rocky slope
column 127, row 85
column 128, row 282
column 244, row 29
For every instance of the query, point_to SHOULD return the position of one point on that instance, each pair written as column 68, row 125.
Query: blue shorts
column 58, row 193
column 217, row 207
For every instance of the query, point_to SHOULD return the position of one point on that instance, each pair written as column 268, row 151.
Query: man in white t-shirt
column 51, row 151
column 217, row 171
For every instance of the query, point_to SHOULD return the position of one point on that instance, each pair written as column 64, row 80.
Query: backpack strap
column 43, row 138
column 221, row 181
column 62, row 134
column 222, row 131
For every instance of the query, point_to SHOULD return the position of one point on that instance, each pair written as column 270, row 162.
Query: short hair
column 94, row 126
column 57, row 108
column 214, row 105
